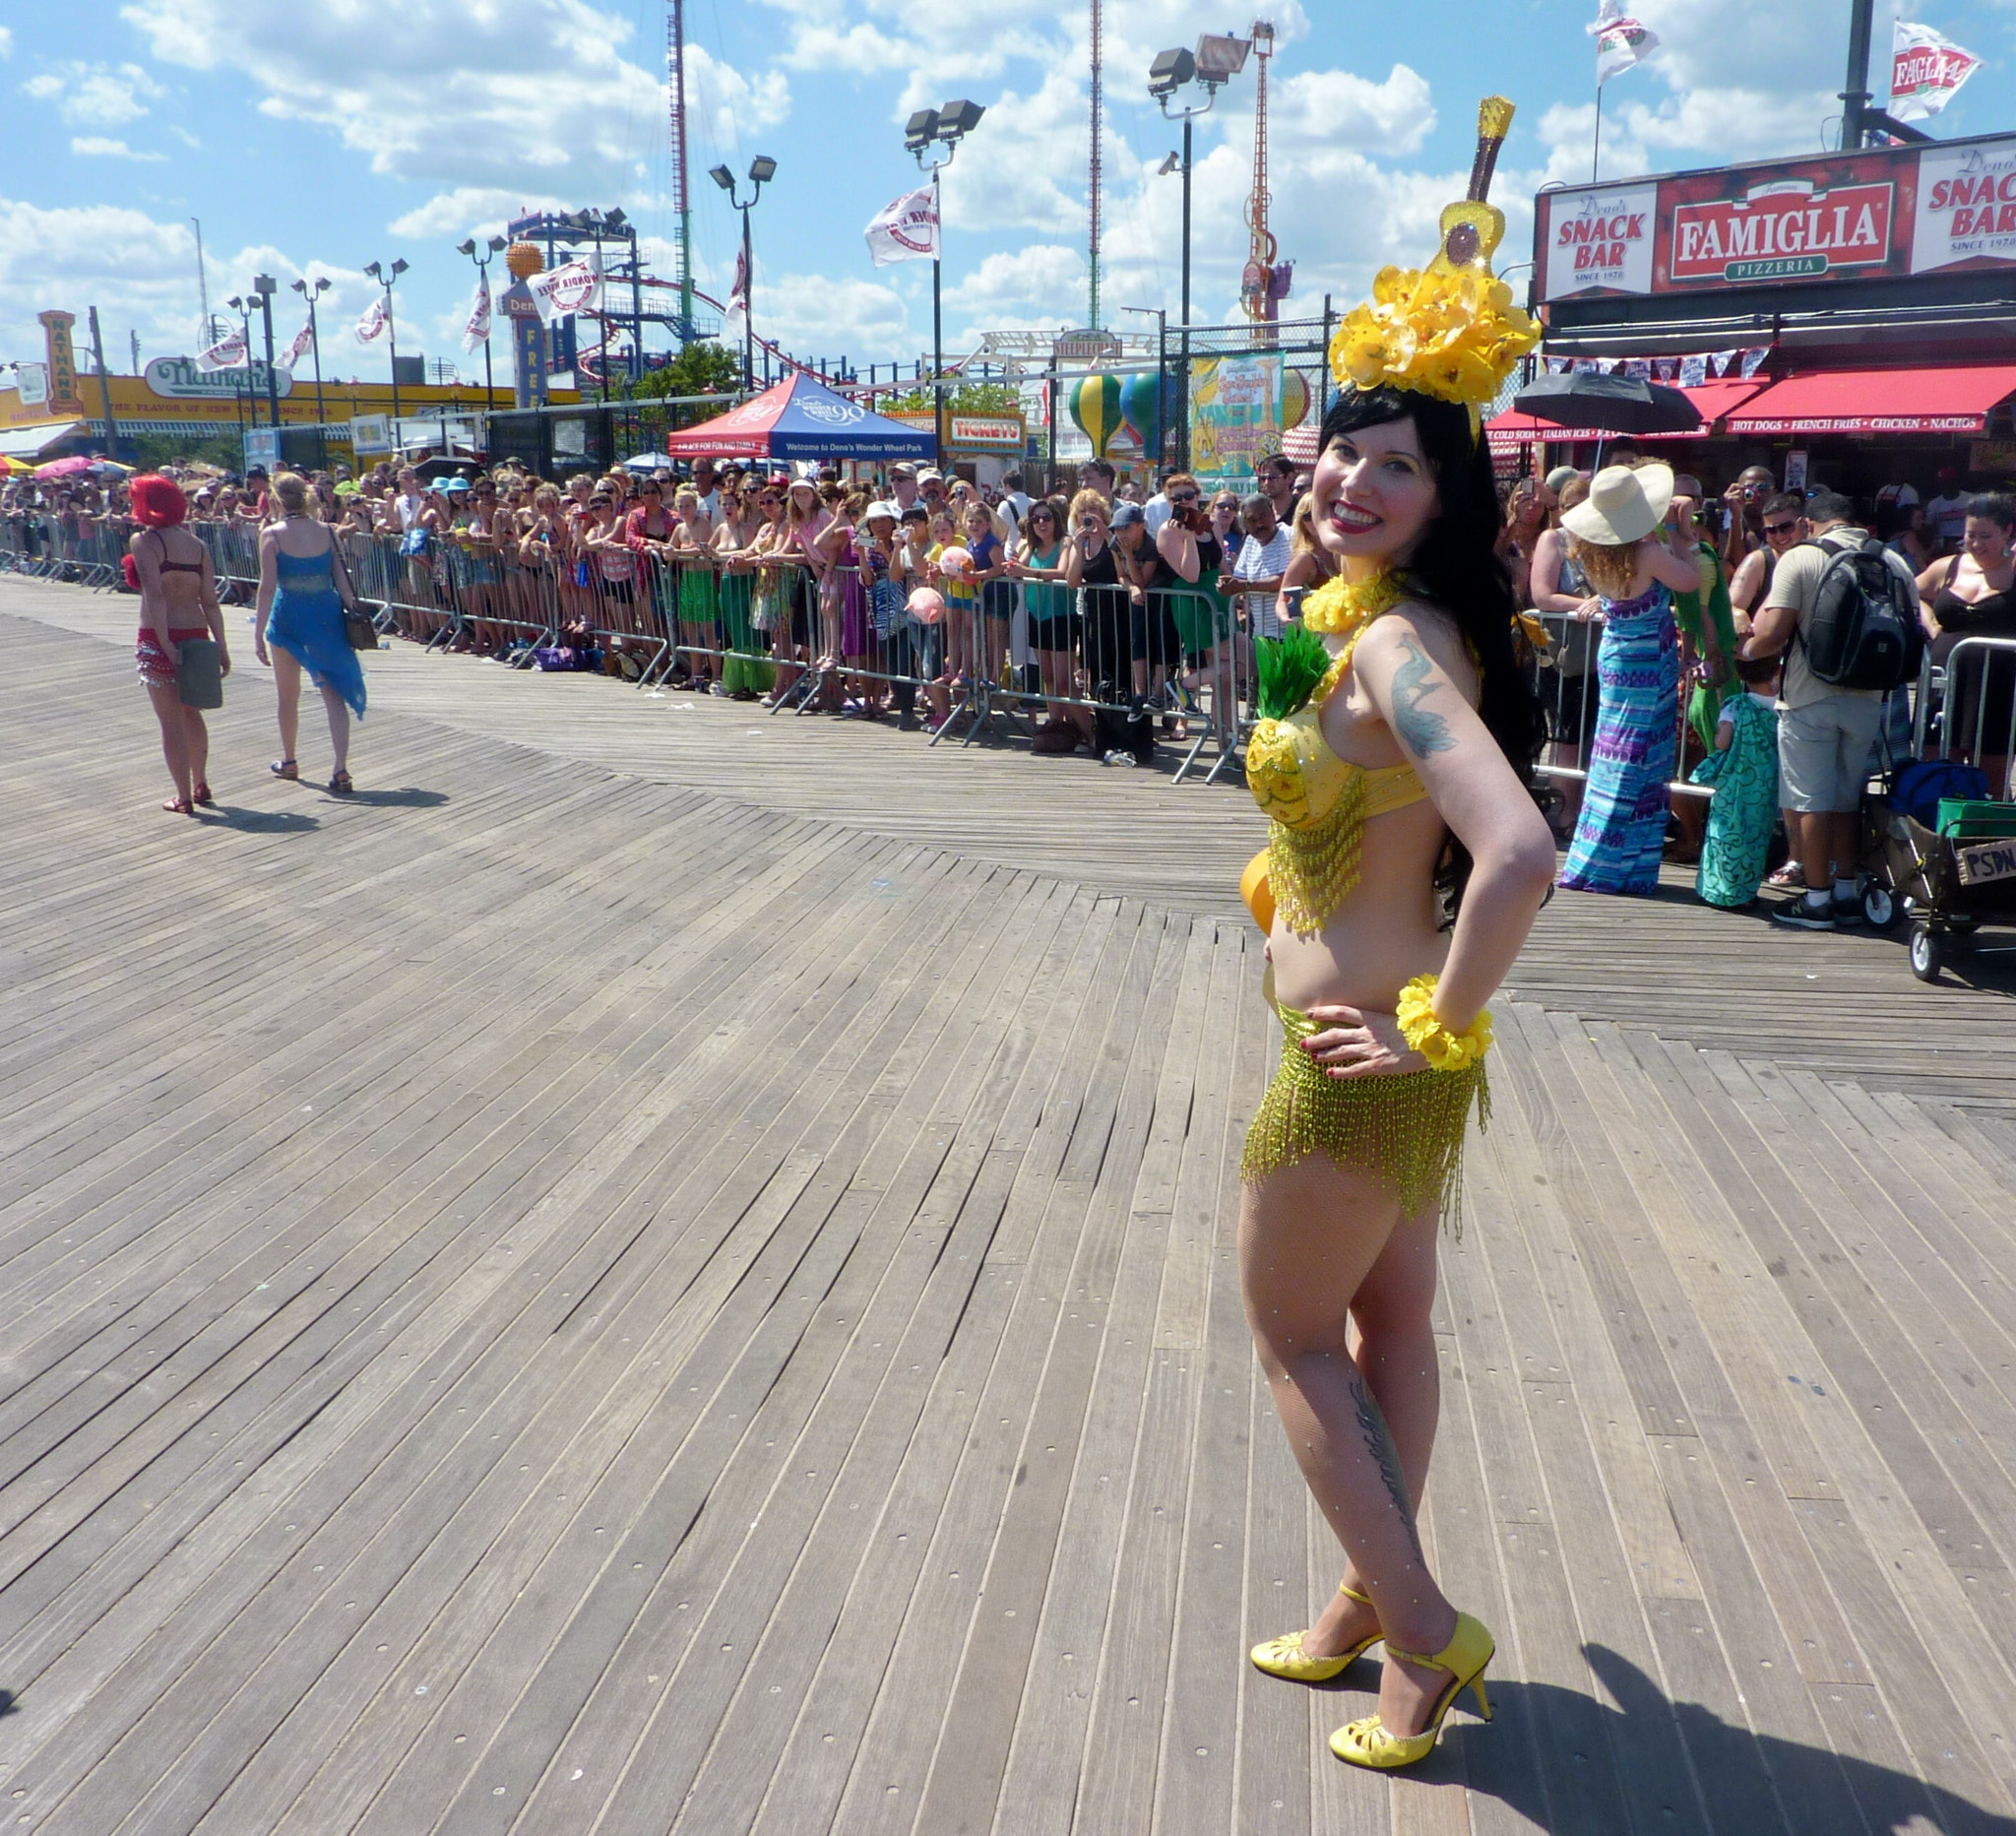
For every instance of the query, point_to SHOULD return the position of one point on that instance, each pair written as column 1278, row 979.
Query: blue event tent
column 801, row 418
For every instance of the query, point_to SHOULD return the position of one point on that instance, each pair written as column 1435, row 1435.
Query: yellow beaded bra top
column 1450, row 331
column 1318, row 802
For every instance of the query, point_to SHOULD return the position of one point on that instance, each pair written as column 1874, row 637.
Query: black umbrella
column 1608, row 404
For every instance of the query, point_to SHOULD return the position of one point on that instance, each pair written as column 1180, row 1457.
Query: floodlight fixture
column 614, row 219
column 498, row 244
column 467, row 246
column 957, row 119
column 762, row 168
column 723, row 177
column 235, row 303
column 1170, row 72
column 920, row 130
column 1174, row 164
column 1219, row 57
column 398, row 266
column 374, row 270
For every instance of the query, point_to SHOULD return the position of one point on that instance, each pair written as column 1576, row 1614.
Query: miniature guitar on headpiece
column 1449, row 330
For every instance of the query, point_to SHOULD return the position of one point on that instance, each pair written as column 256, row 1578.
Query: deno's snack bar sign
column 1889, row 213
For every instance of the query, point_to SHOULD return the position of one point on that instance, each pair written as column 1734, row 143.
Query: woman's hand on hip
column 1353, row 1042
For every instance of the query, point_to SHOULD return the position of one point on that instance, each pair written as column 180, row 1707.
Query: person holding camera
column 1743, row 504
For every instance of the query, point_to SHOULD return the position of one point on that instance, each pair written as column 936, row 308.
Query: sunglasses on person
column 1782, row 528
column 1182, row 497
column 1040, row 516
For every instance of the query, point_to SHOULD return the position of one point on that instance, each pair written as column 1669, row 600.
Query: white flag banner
column 905, row 230
column 1666, row 368
column 1620, row 42
column 575, row 286
column 1639, row 369
column 477, row 329
column 305, row 341
column 1693, row 372
column 1926, row 68
column 226, row 354
column 1719, row 360
column 735, row 319
column 372, row 325
column 1753, row 361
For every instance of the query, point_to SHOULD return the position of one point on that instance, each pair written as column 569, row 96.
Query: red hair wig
column 157, row 501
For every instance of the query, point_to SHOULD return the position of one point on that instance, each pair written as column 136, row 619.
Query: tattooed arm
column 1419, row 675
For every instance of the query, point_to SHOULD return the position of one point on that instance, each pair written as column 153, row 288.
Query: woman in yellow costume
column 1404, row 863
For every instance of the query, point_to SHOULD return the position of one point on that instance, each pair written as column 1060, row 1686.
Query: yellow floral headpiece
column 1449, row 330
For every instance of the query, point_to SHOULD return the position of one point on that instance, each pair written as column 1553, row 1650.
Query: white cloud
column 95, row 145
column 470, row 210
column 816, row 315
column 137, row 271
column 96, row 95
column 475, row 97
column 6, row 42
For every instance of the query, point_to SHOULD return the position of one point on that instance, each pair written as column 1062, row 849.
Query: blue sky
column 319, row 138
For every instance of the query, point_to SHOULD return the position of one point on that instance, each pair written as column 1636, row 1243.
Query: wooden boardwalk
column 550, row 1297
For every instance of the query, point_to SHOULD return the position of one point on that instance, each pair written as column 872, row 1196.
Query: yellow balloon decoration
column 1096, row 408
column 1295, row 399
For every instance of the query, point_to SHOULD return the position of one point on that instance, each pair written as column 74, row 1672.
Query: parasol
column 65, row 468
column 1612, row 404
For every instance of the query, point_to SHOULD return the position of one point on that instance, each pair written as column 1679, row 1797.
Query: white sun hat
column 1625, row 504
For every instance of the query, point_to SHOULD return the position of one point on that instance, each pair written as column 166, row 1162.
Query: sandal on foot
column 341, row 786
column 1366, row 1743
column 203, row 794
column 285, row 768
column 180, row 806
column 1284, row 1656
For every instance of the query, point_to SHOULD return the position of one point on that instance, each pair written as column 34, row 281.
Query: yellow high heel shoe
column 1283, row 1657
column 1367, row 1743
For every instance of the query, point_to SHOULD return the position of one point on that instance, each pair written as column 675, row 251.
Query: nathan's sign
column 1782, row 230
column 1883, row 214
column 178, row 378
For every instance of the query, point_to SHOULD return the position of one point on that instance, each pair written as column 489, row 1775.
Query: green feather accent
column 1288, row 669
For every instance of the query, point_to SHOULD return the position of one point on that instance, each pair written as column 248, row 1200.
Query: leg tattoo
column 1379, row 1443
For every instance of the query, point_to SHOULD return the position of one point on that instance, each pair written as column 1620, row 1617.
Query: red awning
column 1714, row 399
column 1944, row 401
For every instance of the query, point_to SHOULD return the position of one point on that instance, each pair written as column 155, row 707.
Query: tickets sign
column 1884, row 212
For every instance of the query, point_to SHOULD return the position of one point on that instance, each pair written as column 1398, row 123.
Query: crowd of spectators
column 1101, row 610
column 1759, row 552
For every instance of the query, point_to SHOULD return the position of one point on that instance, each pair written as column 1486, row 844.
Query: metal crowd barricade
column 1970, row 701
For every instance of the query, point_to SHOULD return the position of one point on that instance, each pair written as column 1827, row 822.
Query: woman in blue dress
column 299, row 615
column 1615, row 535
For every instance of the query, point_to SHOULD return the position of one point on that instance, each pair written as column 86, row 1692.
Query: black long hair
column 1456, row 567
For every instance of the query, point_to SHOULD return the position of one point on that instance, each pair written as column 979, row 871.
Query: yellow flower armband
column 1444, row 1051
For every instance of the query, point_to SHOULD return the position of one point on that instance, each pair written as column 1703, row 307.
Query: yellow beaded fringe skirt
column 1407, row 1130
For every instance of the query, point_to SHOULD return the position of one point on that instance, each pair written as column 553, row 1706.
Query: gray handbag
column 198, row 675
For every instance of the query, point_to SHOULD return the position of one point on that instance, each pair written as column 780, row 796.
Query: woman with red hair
column 178, row 604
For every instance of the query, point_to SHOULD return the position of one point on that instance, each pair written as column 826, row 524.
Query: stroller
column 1937, row 841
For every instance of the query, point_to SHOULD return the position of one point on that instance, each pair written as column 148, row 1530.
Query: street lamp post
column 1214, row 62
column 264, row 285
column 945, row 127
column 311, row 294
column 495, row 246
column 385, row 277
column 246, row 414
column 761, row 170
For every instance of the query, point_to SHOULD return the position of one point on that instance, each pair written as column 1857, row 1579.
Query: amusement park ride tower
column 1265, row 282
